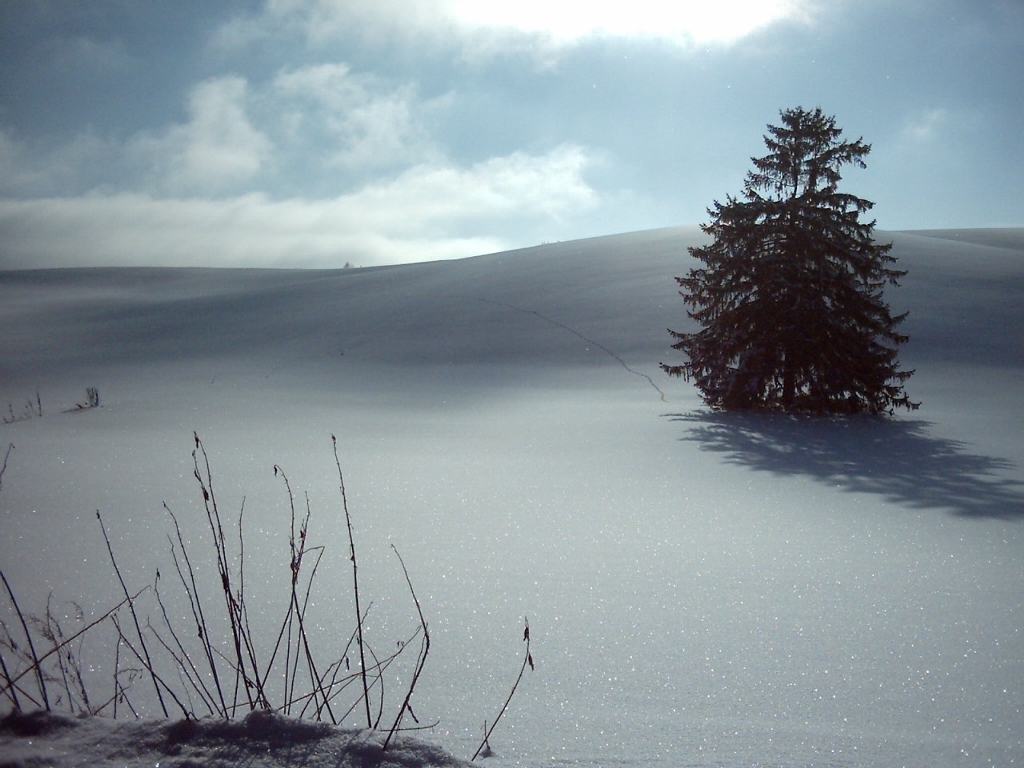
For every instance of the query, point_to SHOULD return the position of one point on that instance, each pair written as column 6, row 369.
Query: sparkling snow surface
column 702, row 589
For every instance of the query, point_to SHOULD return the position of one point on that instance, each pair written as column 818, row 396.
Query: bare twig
column 195, row 602
column 50, row 629
column 10, row 447
column 9, row 688
column 335, row 669
column 158, row 681
column 79, row 633
column 182, row 657
column 217, row 531
column 241, row 642
column 355, row 586
column 28, row 636
column 131, row 607
column 527, row 660
column 421, row 660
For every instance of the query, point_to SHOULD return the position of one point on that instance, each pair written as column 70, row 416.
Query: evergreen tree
column 789, row 297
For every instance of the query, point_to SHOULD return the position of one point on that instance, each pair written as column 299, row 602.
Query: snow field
column 701, row 589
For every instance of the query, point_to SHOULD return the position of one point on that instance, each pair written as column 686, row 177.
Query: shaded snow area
column 260, row 739
column 702, row 589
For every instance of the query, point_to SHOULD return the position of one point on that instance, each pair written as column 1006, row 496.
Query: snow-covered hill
column 703, row 589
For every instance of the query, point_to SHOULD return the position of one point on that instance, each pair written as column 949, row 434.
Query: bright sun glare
column 695, row 21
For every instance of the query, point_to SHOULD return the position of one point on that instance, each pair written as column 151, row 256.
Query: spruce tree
column 789, row 297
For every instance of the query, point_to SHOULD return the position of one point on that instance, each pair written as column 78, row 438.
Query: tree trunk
column 788, row 381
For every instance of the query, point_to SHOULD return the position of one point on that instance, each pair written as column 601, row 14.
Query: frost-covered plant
column 217, row 666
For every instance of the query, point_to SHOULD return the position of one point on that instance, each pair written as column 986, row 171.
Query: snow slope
column 703, row 589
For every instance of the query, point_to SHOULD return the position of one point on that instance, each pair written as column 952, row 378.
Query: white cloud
column 930, row 130
column 313, row 125
column 37, row 168
column 306, row 122
column 16, row 175
column 217, row 149
column 925, row 126
column 538, row 24
column 429, row 212
column 520, row 185
column 368, row 122
column 682, row 21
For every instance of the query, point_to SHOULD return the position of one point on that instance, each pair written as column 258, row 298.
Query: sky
column 319, row 133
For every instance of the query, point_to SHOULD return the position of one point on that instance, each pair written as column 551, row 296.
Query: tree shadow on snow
column 898, row 460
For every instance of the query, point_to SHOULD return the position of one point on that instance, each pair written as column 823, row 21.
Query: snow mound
column 261, row 740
